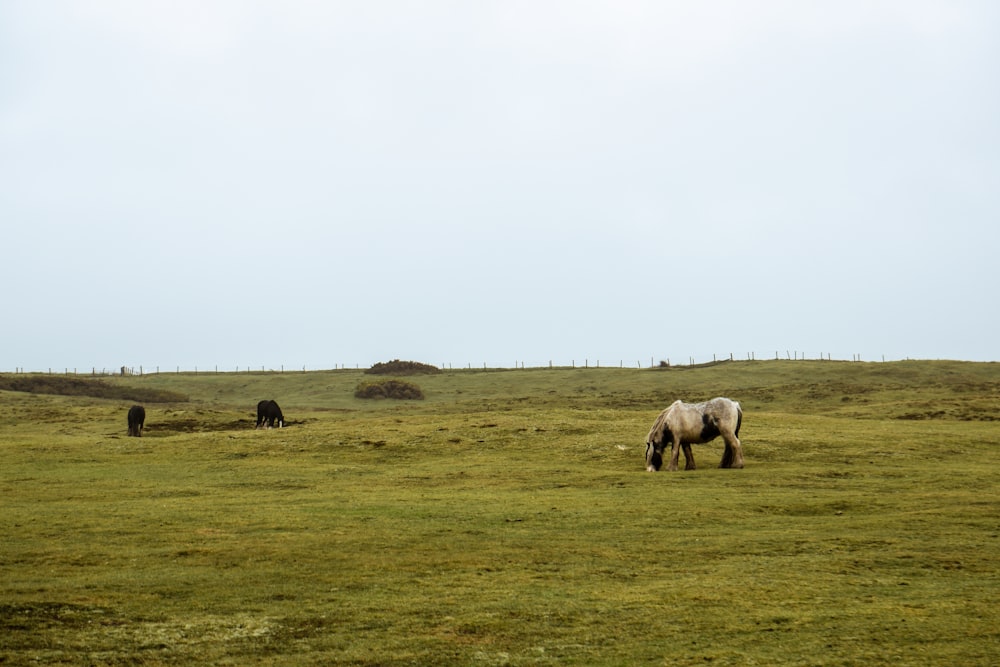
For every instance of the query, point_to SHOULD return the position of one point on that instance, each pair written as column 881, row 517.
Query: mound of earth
column 397, row 367
column 63, row 385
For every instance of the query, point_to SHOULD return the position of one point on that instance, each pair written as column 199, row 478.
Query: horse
column 268, row 411
column 684, row 424
column 136, row 419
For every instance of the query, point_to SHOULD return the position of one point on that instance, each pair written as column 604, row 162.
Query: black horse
column 268, row 411
column 136, row 419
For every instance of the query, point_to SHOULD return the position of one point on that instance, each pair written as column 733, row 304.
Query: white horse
column 684, row 424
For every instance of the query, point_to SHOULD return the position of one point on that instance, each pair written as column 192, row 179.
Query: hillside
column 506, row 519
column 899, row 390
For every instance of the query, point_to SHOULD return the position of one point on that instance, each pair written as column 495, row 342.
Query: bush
column 397, row 367
column 398, row 389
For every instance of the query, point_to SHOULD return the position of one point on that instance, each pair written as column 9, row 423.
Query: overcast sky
column 307, row 183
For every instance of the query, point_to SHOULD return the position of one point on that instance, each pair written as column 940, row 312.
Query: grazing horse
column 136, row 419
column 268, row 411
column 684, row 424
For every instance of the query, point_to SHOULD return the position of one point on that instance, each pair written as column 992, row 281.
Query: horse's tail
column 739, row 419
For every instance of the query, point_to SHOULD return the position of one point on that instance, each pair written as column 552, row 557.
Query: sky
column 307, row 184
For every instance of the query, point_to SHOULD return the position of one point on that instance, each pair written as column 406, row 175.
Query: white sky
column 307, row 183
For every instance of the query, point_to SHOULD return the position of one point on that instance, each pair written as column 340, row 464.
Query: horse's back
column 708, row 419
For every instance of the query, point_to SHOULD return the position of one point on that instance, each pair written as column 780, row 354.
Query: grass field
column 507, row 519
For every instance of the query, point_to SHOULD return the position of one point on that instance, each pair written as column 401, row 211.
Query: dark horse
column 684, row 424
column 136, row 419
column 268, row 411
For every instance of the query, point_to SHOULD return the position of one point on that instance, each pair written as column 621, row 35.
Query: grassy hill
column 506, row 519
column 905, row 389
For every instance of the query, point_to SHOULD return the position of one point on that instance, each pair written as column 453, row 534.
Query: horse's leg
column 675, row 452
column 688, row 456
column 727, row 457
column 733, row 456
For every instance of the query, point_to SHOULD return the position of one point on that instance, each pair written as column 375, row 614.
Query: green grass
column 507, row 519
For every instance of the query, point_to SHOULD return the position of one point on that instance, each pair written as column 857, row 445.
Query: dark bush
column 398, row 389
column 397, row 367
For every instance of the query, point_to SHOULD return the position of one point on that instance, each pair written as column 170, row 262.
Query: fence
column 787, row 355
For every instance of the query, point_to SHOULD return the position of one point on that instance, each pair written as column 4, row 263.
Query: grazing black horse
column 136, row 419
column 270, row 412
column 684, row 424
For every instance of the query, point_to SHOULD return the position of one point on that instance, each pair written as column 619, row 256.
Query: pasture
column 507, row 519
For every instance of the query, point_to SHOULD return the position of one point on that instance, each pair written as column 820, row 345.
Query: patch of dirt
column 194, row 425
column 20, row 624
column 171, row 423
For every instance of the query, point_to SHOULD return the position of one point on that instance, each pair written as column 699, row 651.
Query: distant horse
column 684, row 424
column 268, row 411
column 136, row 419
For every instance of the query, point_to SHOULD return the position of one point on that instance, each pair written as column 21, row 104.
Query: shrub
column 398, row 389
column 397, row 367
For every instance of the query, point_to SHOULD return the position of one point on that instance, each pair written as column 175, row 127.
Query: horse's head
column 654, row 457
column 658, row 435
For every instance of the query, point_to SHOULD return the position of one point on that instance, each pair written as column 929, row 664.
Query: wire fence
column 585, row 363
